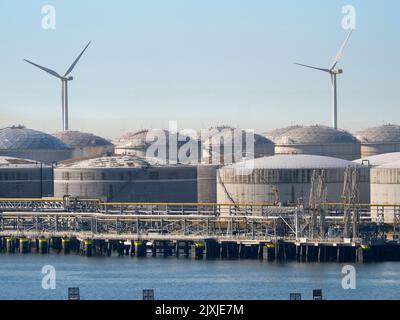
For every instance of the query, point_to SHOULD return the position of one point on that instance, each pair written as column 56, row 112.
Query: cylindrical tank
column 134, row 179
column 225, row 145
column 85, row 145
column 380, row 139
column 288, row 176
column 22, row 178
column 318, row 140
column 20, row 142
column 385, row 190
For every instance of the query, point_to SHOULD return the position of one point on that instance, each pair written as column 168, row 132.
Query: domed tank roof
column 381, row 134
column 380, row 159
column 316, row 134
column 276, row 133
column 19, row 137
column 390, row 165
column 11, row 162
column 137, row 139
column 113, row 162
column 81, row 139
column 296, row 161
column 228, row 133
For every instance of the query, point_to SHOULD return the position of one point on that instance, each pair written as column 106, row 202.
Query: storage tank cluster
column 254, row 181
column 380, row 139
column 135, row 179
column 317, row 140
column 24, row 178
column 85, row 145
column 20, row 142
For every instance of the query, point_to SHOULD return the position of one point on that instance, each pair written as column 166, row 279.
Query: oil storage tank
column 23, row 178
column 288, row 176
column 85, row 145
column 134, row 179
column 225, row 145
column 385, row 191
column 379, row 139
column 20, row 142
column 319, row 140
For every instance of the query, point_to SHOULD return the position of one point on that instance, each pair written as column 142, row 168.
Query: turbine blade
column 52, row 72
column 76, row 61
column 339, row 54
column 307, row 66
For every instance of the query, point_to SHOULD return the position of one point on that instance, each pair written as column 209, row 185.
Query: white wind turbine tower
column 64, row 86
column 333, row 73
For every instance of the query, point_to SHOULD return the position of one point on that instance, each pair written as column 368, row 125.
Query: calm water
column 180, row 278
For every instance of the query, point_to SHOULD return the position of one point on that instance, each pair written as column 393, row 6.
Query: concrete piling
column 24, row 245
column 197, row 250
column 43, row 245
column 10, row 245
column 140, row 248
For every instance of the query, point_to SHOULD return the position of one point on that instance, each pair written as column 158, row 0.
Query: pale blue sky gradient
column 201, row 63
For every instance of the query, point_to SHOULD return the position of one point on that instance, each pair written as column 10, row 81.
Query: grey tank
column 135, row 179
column 23, row 178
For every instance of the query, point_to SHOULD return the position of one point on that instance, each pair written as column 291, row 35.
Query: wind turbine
column 333, row 73
column 64, row 85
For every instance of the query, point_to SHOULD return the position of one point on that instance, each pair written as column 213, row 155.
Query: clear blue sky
column 198, row 62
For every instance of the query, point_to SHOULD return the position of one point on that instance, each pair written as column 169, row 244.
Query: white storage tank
column 380, row 139
column 134, row 179
column 319, row 140
column 85, row 145
column 20, row 142
column 254, row 181
column 385, row 190
column 24, row 178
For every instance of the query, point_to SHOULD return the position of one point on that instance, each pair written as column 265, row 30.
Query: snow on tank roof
column 229, row 133
column 316, row 134
column 114, row 162
column 380, row 159
column 390, row 165
column 10, row 162
column 293, row 161
column 81, row 139
column 276, row 133
column 19, row 137
column 137, row 139
column 385, row 133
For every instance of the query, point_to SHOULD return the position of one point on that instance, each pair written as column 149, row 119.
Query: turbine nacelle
column 68, row 78
column 339, row 71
